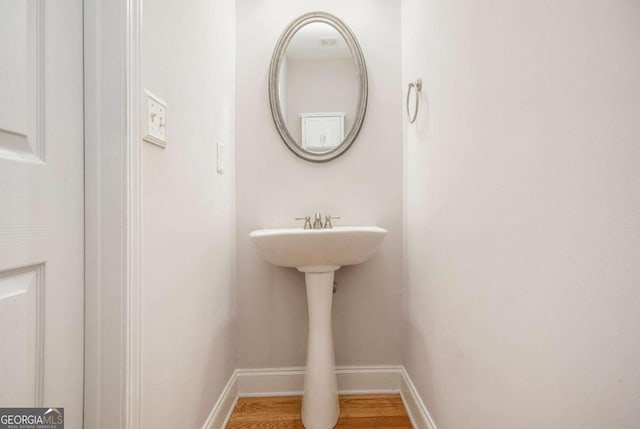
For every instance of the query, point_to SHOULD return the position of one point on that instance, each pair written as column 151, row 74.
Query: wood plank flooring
column 356, row 412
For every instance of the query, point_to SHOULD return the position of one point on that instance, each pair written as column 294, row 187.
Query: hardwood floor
column 356, row 412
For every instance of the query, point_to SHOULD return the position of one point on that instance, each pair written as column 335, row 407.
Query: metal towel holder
column 418, row 86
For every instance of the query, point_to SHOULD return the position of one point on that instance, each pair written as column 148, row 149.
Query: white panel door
column 322, row 131
column 41, row 206
column 313, row 133
column 333, row 131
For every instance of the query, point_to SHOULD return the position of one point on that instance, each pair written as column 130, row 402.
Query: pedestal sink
column 318, row 253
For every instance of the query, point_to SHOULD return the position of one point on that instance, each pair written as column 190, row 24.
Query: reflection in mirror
column 319, row 87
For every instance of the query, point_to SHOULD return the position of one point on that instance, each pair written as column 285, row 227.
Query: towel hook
column 418, row 86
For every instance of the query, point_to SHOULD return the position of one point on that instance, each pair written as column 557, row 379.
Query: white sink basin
column 307, row 248
column 319, row 253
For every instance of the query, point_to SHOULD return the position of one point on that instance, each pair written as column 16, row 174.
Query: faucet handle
column 307, row 221
column 327, row 221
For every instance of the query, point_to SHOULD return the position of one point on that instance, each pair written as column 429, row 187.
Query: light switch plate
column 220, row 158
column 154, row 120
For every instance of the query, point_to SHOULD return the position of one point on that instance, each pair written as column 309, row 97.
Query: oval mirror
column 318, row 87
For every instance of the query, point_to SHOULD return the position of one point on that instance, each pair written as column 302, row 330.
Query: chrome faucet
column 317, row 221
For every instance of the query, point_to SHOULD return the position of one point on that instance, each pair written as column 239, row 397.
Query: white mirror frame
column 274, row 87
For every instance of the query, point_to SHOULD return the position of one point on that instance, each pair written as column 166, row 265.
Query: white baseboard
column 290, row 382
column 221, row 412
column 418, row 413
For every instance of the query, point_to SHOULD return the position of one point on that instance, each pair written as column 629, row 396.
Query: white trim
column 40, row 148
column 221, row 412
column 113, row 254
column 268, row 382
column 40, row 273
column 133, row 216
column 417, row 410
column 322, row 114
column 290, row 381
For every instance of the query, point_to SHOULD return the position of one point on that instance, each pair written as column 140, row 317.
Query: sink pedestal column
column 320, row 406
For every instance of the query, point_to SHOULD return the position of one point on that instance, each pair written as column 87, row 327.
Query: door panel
column 333, row 132
column 21, row 323
column 41, row 205
column 313, row 130
column 21, row 79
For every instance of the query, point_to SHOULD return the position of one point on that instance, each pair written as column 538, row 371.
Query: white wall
column 522, row 212
column 189, row 212
column 320, row 85
column 364, row 186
